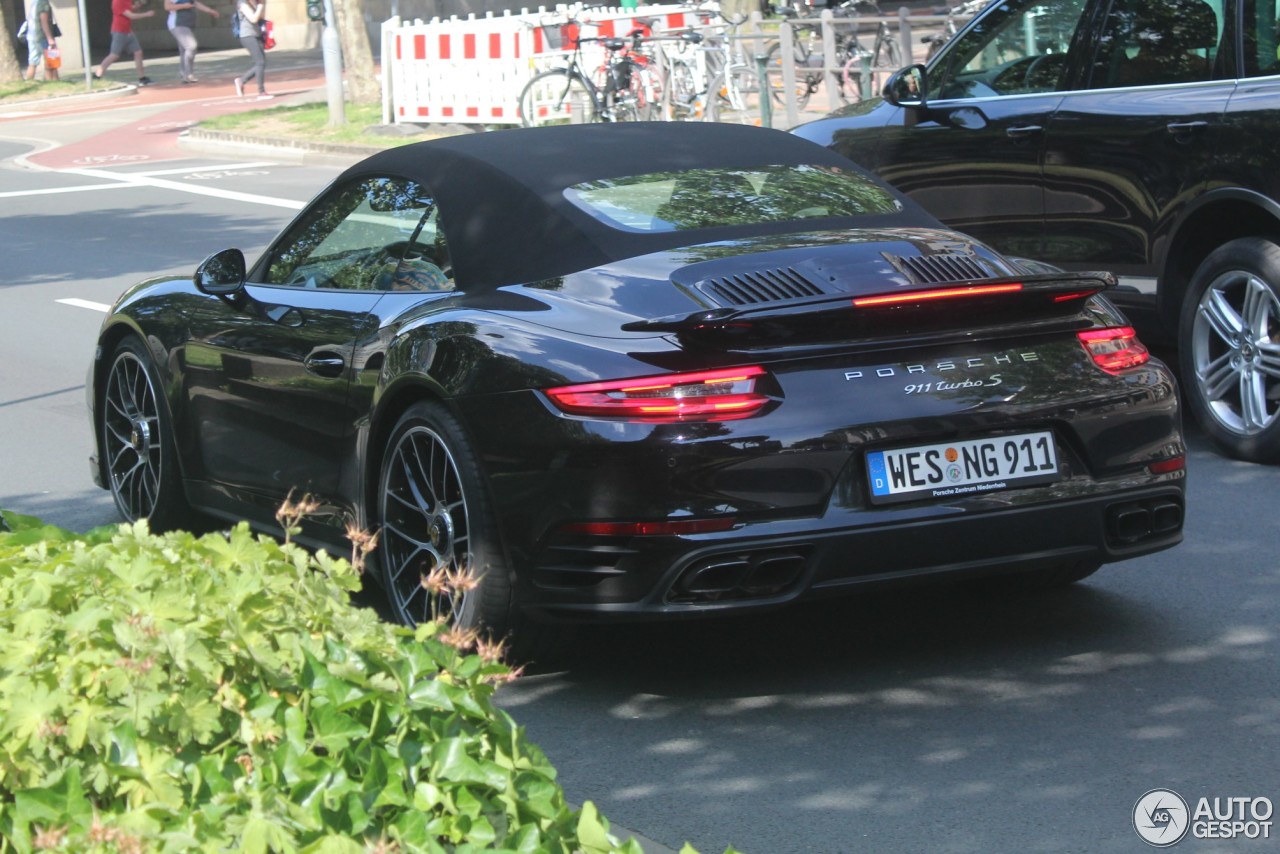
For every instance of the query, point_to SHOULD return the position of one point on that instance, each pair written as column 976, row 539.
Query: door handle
column 1182, row 128
column 325, row 364
column 1022, row 131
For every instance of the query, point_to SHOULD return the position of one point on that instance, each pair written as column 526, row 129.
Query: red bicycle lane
column 155, row 137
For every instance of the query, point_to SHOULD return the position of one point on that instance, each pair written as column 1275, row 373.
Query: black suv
column 1138, row 136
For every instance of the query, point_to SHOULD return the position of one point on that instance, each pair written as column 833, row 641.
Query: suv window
column 1154, row 42
column 1261, row 39
column 1018, row 48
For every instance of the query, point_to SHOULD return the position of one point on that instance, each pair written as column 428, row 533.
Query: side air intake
column 760, row 286
column 932, row 269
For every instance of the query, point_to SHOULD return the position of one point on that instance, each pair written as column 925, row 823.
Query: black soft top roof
column 507, row 221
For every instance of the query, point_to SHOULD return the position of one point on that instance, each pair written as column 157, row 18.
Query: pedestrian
column 40, row 40
column 182, row 21
column 252, row 13
column 123, row 39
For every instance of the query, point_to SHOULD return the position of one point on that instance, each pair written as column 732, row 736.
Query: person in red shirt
column 123, row 39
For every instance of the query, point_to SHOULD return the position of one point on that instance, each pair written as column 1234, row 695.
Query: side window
column 1018, row 47
column 369, row 234
column 1261, row 38
column 1155, row 42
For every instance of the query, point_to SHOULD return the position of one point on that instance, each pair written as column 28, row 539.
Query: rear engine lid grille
column 933, row 269
column 760, row 286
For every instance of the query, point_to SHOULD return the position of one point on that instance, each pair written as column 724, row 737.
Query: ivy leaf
column 593, row 834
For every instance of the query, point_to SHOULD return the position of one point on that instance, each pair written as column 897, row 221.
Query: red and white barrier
column 472, row 70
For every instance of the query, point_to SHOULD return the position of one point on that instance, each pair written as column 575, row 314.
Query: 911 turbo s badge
column 991, row 361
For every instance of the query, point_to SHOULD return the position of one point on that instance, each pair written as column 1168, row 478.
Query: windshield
column 710, row 198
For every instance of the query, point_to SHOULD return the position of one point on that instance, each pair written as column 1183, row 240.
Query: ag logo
column 1161, row 818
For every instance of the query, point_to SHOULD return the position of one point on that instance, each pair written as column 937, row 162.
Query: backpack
column 235, row 24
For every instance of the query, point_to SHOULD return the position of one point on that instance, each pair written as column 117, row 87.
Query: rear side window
column 711, row 198
column 1261, row 38
column 1158, row 42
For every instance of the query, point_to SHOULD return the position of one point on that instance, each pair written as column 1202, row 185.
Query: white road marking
column 84, row 303
column 145, row 179
column 189, row 170
column 53, row 191
column 230, row 195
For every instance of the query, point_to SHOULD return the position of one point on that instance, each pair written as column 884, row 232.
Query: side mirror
column 221, row 274
column 906, row 87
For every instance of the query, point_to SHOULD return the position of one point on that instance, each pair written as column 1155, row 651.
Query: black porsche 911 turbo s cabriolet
column 649, row 370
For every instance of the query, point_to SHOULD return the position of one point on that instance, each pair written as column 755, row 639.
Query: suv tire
column 1229, row 348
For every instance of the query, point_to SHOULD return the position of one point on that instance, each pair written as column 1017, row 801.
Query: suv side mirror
column 221, row 274
column 906, row 87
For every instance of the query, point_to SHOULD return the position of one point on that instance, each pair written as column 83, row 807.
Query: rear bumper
column 757, row 567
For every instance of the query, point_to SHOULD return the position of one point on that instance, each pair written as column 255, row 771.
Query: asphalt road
column 923, row 719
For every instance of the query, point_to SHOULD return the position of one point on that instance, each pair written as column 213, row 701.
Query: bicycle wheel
column 849, row 80
column 683, row 103
column 887, row 60
column 734, row 96
column 773, row 70
column 557, row 97
column 645, row 94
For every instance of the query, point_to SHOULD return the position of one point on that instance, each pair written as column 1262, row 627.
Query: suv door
column 973, row 157
column 1127, row 153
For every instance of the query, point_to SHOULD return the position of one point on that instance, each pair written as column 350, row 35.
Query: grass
column 311, row 122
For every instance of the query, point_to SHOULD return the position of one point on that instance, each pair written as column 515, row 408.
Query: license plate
column 971, row 467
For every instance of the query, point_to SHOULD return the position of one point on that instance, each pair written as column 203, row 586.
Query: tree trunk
column 357, row 58
column 9, row 70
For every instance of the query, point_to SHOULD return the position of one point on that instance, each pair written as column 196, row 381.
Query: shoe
column 144, row 81
column 97, row 75
column 263, row 96
column 193, row 79
column 185, row 81
column 239, row 87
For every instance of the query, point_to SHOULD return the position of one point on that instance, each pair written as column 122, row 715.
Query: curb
column 300, row 151
column 64, row 100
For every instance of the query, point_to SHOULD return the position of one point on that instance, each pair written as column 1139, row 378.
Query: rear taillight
column 720, row 395
column 661, row 528
column 1168, row 466
column 913, row 297
column 1115, row 350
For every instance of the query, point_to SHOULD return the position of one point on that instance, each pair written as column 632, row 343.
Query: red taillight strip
column 717, row 395
column 1166, row 466
column 666, row 527
column 1115, row 349
column 941, row 293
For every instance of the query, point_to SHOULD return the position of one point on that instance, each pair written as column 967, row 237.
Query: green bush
column 175, row 693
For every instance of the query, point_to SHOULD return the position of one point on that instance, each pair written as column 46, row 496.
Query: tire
column 1035, row 581
column 682, row 93
column 773, row 70
column 887, row 60
column 850, row 80
column 135, row 433
column 434, row 511
column 720, row 102
column 1229, row 348
column 557, row 97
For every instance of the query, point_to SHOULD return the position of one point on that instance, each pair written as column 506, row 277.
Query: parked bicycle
column 956, row 16
column 624, row 89
column 857, row 66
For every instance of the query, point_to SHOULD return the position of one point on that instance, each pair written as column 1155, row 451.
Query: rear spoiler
column 1038, row 296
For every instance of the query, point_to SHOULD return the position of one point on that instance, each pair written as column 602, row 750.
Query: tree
column 357, row 58
column 9, row 70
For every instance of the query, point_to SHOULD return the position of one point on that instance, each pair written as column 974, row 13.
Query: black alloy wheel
column 434, row 516
column 137, row 441
column 1229, row 348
